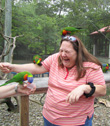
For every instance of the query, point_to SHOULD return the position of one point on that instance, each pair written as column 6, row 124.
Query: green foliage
column 41, row 22
column 39, row 30
column 2, row 6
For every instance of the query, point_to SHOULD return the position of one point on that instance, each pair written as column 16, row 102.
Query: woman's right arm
column 32, row 68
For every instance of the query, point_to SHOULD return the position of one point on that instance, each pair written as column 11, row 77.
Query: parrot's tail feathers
column 3, row 84
column 7, row 82
column 79, row 28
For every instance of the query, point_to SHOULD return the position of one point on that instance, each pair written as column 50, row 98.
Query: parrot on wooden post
column 20, row 78
column 70, row 31
column 37, row 60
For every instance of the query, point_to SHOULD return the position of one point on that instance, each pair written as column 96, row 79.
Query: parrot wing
column 103, row 69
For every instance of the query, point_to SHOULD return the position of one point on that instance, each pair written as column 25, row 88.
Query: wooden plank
column 39, row 82
column 41, row 90
column 24, row 111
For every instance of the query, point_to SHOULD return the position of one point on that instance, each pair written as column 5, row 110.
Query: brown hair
column 82, row 56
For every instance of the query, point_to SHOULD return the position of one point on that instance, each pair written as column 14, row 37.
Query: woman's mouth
column 66, row 60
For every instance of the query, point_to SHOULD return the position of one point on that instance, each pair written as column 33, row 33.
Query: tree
column 36, row 19
column 5, row 32
column 39, row 30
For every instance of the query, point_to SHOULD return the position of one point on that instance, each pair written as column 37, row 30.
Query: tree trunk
column 8, row 25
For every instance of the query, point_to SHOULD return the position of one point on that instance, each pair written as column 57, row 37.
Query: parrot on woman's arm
column 20, row 78
column 70, row 31
column 37, row 60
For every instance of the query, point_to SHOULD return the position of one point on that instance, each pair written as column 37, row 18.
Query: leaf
column 104, row 101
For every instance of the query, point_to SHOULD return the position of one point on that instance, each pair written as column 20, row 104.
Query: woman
column 10, row 90
column 75, row 79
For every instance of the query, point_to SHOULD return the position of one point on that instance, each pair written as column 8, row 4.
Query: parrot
column 105, row 68
column 37, row 60
column 70, row 31
column 20, row 77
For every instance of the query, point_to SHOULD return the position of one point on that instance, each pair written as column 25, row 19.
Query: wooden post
column 24, row 110
column 109, row 53
column 8, row 25
column 94, row 49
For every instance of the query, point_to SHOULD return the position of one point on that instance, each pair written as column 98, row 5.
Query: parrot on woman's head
column 70, row 31
column 20, row 78
column 37, row 60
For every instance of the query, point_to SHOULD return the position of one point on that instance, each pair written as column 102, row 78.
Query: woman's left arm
column 97, row 78
column 100, row 90
column 74, row 95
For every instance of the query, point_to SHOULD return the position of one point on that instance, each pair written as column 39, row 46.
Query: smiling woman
column 67, row 54
column 75, row 79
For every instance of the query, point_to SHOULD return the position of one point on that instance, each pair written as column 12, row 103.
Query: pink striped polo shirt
column 61, row 82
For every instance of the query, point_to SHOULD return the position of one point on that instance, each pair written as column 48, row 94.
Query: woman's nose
column 63, row 53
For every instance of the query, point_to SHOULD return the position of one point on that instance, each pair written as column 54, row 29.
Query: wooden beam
column 24, row 110
column 109, row 53
column 24, row 107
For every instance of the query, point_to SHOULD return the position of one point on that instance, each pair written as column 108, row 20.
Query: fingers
column 74, row 95
column 26, row 90
column 71, row 98
column 5, row 70
column 23, row 90
column 33, row 89
column 5, row 67
column 25, row 85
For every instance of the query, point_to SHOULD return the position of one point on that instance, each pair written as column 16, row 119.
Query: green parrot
column 37, row 60
column 105, row 68
column 20, row 77
column 70, row 31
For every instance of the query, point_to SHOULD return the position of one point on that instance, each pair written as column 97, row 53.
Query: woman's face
column 67, row 54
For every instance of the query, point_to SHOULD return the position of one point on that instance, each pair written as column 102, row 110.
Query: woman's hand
column 6, row 67
column 25, row 90
column 75, row 94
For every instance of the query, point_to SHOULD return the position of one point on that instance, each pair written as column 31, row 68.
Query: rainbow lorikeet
column 70, row 31
column 37, row 60
column 20, row 78
column 105, row 68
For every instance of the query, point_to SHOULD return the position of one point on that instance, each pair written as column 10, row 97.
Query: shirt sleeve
column 96, row 76
column 48, row 61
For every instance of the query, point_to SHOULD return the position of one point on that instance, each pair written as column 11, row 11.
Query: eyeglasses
column 71, row 38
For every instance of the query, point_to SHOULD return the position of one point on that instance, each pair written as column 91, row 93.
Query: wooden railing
column 35, row 75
